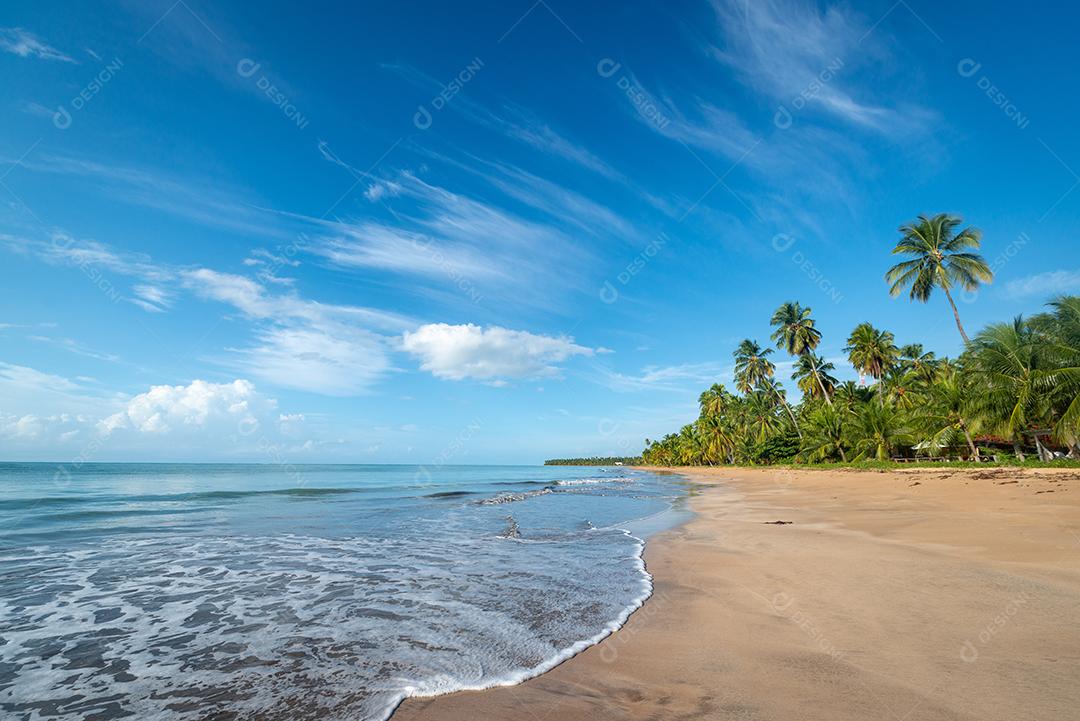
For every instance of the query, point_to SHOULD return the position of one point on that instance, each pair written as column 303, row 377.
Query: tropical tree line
column 595, row 461
column 1015, row 388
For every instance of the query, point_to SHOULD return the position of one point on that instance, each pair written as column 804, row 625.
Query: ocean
column 202, row 591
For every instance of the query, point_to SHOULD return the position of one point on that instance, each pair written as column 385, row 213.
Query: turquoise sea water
column 197, row 591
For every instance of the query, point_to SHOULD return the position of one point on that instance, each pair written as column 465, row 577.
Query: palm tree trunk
column 971, row 443
column 793, row 421
column 843, row 456
column 956, row 315
column 821, row 384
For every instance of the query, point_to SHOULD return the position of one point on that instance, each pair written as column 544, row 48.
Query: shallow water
column 310, row 592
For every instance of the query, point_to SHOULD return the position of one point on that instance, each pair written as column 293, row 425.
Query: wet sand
column 908, row 595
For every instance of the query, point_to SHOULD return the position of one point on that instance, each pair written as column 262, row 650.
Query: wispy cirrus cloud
column 515, row 122
column 26, row 44
column 786, row 49
column 298, row 343
column 684, row 377
column 454, row 241
column 73, row 346
column 194, row 199
column 1044, row 284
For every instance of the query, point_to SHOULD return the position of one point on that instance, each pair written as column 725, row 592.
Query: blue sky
column 492, row 232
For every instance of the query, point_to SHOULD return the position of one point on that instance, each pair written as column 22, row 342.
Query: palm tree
column 849, row 396
column 794, row 329
column 714, row 401
column 899, row 387
column 795, row 333
column 690, row 448
column 922, row 364
column 877, row 430
column 871, row 351
column 760, row 416
column 774, row 390
column 752, row 365
column 948, row 412
column 825, row 434
column 940, row 260
column 719, row 436
column 1013, row 376
column 1061, row 333
column 812, row 374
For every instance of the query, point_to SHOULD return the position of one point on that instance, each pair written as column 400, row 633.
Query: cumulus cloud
column 493, row 354
column 197, row 405
column 25, row 44
column 201, row 419
column 16, row 427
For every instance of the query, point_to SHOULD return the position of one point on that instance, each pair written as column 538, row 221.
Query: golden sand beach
column 905, row 595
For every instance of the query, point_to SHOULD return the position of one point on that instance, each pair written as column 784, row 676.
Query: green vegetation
column 606, row 461
column 1013, row 393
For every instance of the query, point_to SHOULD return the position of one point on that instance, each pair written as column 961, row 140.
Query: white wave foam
column 592, row 481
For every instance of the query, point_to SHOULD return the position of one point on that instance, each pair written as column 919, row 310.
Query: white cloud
column 468, row 248
column 230, row 407
column 687, row 376
column 73, row 346
column 20, row 427
column 787, row 49
column 328, row 358
column 151, row 298
column 201, row 200
column 25, row 44
column 382, row 189
column 302, row 344
column 1045, row 284
column 199, row 420
column 372, row 245
column 457, row 352
column 32, row 379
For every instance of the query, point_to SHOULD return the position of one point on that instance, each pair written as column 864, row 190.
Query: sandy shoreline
column 915, row 594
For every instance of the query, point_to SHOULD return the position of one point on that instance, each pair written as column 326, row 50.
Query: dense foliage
column 1014, row 390
column 595, row 461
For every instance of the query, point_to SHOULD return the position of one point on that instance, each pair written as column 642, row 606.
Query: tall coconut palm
column 752, row 365
column 794, row 329
column 871, row 351
column 794, row 332
column 940, row 259
column 812, row 374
